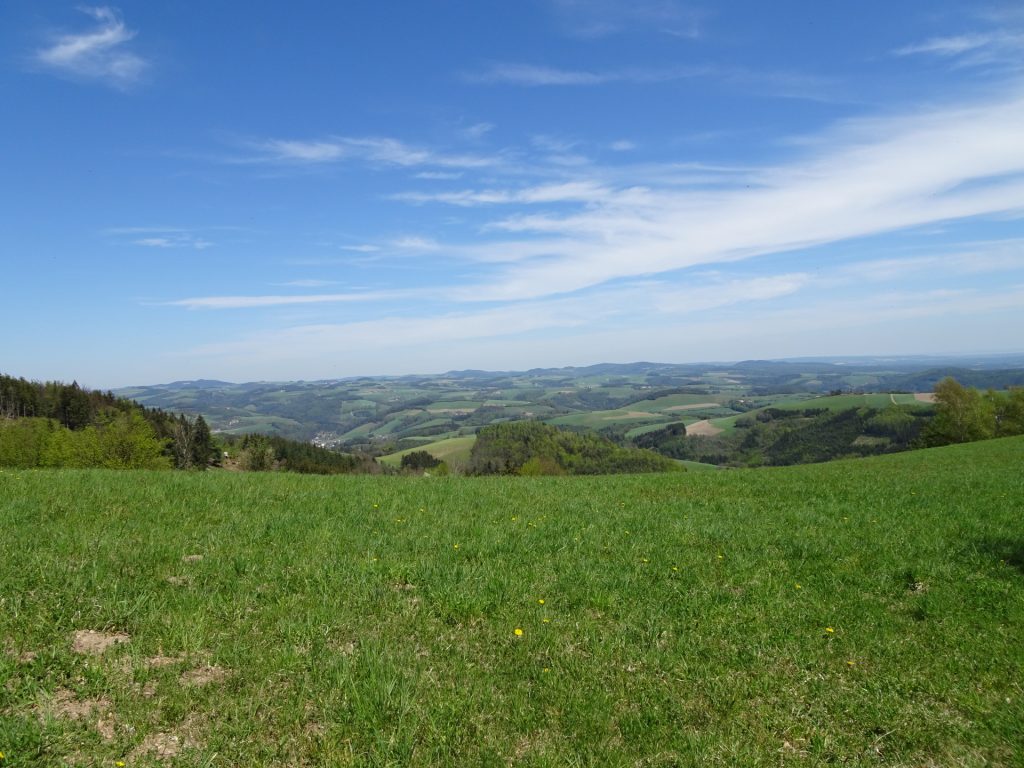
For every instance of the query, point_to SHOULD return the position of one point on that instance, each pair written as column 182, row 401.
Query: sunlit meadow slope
column 862, row 612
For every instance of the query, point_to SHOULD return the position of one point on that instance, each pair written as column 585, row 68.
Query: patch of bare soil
column 67, row 706
column 705, row 428
column 201, row 676
column 93, row 642
column 191, row 558
column 177, row 581
column 160, row 660
column 166, row 745
column 924, row 397
column 22, row 657
column 692, row 407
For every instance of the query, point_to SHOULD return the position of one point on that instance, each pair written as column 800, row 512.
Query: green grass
column 697, row 465
column 371, row 621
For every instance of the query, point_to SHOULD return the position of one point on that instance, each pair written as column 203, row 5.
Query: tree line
column 535, row 448
column 965, row 414
column 52, row 424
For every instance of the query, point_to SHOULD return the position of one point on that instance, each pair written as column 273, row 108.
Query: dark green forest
column 534, row 448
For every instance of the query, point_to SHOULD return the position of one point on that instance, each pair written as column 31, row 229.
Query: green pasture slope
column 859, row 613
column 453, row 449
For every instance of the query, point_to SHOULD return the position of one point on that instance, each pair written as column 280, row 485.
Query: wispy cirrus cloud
column 162, row 237
column 782, row 84
column 374, row 150
column 307, row 283
column 364, row 248
column 99, row 54
column 976, row 49
column 571, row 191
column 278, row 300
column 861, row 178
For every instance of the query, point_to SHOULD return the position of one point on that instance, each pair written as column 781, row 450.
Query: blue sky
column 316, row 190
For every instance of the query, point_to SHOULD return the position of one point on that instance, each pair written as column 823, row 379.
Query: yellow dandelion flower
column 540, row 601
column 119, row 764
column 644, row 560
column 518, row 632
column 721, row 557
column 850, row 663
column 675, row 568
column 798, row 586
column 456, row 546
column 829, row 631
column 547, row 669
column 546, row 621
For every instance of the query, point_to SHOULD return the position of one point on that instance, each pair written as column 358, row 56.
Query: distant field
column 842, row 402
column 454, row 450
column 857, row 613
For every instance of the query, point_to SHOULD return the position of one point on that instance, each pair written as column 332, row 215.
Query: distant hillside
column 382, row 415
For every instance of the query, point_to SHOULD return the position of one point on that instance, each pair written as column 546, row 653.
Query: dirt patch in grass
column 693, row 407
column 160, row 660
column 196, row 678
column 704, row 428
column 924, row 397
column 166, row 745
column 94, row 643
column 191, row 558
column 95, row 712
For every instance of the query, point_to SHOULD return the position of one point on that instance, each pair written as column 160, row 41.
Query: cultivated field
column 855, row 613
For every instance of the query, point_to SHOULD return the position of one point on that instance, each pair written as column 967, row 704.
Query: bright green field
column 860, row 613
column 452, row 449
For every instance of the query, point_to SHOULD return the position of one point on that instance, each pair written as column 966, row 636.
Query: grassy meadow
column 864, row 612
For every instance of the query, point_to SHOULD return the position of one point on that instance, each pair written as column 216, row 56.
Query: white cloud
column 477, row 131
column 571, row 191
column 790, row 85
column 304, row 151
column 416, row 243
column 382, row 150
column 308, row 283
column 439, row 175
column 251, row 302
column 622, row 146
column 1002, row 46
column 972, row 259
column 170, row 237
column 365, row 248
column 533, row 75
column 98, row 54
column 725, row 293
column 947, row 46
column 861, row 178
